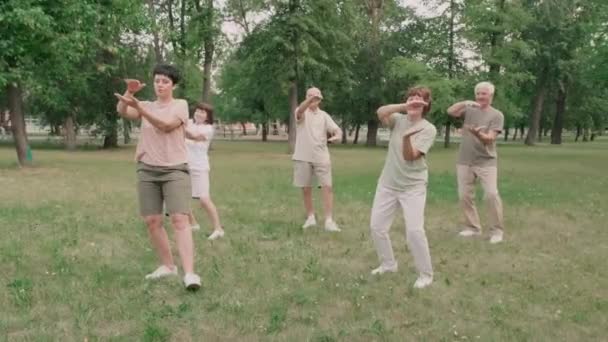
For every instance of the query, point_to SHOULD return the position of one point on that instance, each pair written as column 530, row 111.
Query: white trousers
column 412, row 202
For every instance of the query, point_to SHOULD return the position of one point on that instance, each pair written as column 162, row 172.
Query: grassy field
column 73, row 254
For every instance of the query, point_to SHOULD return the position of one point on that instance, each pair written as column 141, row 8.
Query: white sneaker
column 496, row 238
column 331, row 226
column 383, row 269
column 192, row 281
column 423, row 281
column 469, row 232
column 195, row 227
column 162, row 271
column 216, row 234
column 310, row 221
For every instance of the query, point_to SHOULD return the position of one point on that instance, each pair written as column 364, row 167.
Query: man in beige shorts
column 311, row 155
column 478, row 160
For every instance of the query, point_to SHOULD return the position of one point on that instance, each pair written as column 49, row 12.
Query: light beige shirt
column 311, row 136
column 399, row 174
column 159, row 148
column 473, row 152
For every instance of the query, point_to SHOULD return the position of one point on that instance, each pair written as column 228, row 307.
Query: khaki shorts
column 168, row 184
column 303, row 172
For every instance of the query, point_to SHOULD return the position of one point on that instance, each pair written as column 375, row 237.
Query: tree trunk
column 209, row 46
column 521, row 131
column 293, row 86
column 158, row 55
column 293, row 104
column 17, row 117
column 540, row 130
column 372, row 132
column 539, row 101
column 265, row 131
column 585, row 134
column 496, row 44
column 356, row 139
column 448, row 124
column 578, row 132
column 244, row 129
column 182, row 30
column 448, row 128
column 375, row 10
column 344, row 131
column 558, row 120
column 126, row 131
column 69, row 132
column 506, row 133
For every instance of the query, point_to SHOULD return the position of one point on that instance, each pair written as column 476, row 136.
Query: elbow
column 165, row 128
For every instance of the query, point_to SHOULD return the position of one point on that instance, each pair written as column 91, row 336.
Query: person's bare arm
column 385, row 112
column 195, row 135
column 485, row 137
column 124, row 110
column 127, row 111
column 164, row 124
column 457, row 109
column 304, row 106
column 409, row 152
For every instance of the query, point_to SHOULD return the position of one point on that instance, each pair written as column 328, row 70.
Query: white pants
column 412, row 202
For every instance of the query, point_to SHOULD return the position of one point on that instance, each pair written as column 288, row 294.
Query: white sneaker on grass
column 383, row 269
column 195, row 227
column 218, row 233
column 496, row 238
column 423, row 281
column 310, row 222
column 192, row 281
column 468, row 232
column 331, row 226
column 162, row 271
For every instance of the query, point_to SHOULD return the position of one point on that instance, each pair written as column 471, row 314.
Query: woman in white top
column 199, row 133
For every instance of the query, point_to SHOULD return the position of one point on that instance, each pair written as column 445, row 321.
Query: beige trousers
column 412, row 202
column 467, row 175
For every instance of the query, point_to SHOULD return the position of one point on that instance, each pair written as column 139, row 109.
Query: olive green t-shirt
column 473, row 152
column 399, row 174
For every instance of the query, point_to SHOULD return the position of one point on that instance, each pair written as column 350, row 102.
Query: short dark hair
column 423, row 92
column 167, row 70
column 207, row 108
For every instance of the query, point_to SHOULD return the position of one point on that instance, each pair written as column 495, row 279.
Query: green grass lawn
column 73, row 254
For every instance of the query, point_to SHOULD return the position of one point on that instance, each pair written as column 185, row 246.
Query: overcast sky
column 234, row 31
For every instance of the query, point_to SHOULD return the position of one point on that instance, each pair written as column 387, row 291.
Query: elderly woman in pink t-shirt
column 162, row 169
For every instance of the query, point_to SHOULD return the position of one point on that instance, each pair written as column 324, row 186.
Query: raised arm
column 304, row 106
column 457, row 109
column 416, row 147
column 385, row 112
column 195, row 134
column 165, row 124
column 124, row 110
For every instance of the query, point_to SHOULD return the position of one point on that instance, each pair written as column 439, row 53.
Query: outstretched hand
column 129, row 100
column 133, row 85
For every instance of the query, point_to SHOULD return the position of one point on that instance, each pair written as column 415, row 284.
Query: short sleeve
column 497, row 123
column 330, row 124
column 295, row 115
column 392, row 120
column 208, row 131
column 182, row 111
column 424, row 139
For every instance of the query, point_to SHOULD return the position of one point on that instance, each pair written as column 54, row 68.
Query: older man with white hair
column 478, row 160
